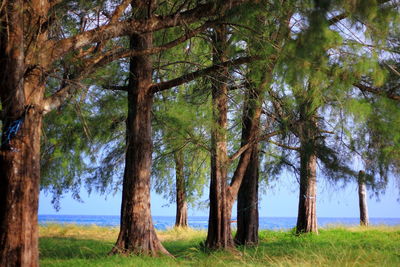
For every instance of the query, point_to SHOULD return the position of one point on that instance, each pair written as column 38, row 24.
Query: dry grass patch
column 79, row 231
column 181, row 233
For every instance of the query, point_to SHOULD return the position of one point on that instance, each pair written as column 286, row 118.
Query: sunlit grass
column 181, row 233
column 79, row 231
column 72, row 245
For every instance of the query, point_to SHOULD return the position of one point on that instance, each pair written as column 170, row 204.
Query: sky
column 279, row 201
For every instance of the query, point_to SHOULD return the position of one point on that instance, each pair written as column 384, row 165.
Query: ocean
column 200, row 222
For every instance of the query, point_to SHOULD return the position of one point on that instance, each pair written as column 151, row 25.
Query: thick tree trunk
column 219, row 228
column 181, row 204
column 362, row 198
column 20, row 162
column 19, row 195
column 247, row 204
column 21, row 93
column 137, row 233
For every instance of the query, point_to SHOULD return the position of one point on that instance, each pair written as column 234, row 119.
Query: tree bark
column 19, row 195
column 137, row 233
column 219, row 230
column 307, row 212
column 222, row 195
column 181, row 219
column 247, row 204
column 22, row 90
column 362, row 193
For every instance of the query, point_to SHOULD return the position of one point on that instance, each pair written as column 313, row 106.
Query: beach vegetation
column 73, row 245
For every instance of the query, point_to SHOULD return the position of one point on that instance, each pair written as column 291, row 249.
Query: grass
column 72, row 245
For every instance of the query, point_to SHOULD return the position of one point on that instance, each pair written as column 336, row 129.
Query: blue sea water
column 199, row 222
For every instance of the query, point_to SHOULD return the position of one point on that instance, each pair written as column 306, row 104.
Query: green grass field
column 72, row 245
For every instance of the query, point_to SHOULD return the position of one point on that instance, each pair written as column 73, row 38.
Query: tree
column 181, row 152
column 308, row 134
column 362, row 191
column 219, row 231
column 222, row 195
column 137, row 232
column 267, row 42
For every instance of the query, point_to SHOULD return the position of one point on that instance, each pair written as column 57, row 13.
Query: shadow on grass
column 73, row 248
column 69, row 248
column 63, row 251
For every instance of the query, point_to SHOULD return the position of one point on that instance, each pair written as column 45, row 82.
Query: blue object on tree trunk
column 12, row 130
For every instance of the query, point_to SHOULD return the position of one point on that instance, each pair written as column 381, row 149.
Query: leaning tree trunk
column 362, row 193
column 181, row 219
column 247, row 204
column 137, row 233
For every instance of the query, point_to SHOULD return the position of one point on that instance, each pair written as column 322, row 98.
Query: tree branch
column 116, row 87
column 284, row 146
column 344, row 15
column 100, row 60
column 243, row 163
column 131, row 26
column 338, row 18
column 119, row 10
column 123, row 53
column 91, row 64
column 58, row 98
column 241, row 150
column 196, row 74
column 389, row 94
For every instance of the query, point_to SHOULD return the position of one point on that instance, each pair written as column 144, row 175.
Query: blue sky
column 279, row 201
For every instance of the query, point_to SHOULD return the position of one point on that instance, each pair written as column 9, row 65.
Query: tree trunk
column 362, row 193
column 137, row 233
column 308, row 130
column 20, row 166
column 222, row 196
column 247, row 204
column 19, row 195
column 307, row 215
column 219, row 228
column 181, row 204
column 21, row 94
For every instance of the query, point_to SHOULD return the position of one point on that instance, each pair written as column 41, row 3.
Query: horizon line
column 347, row 217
